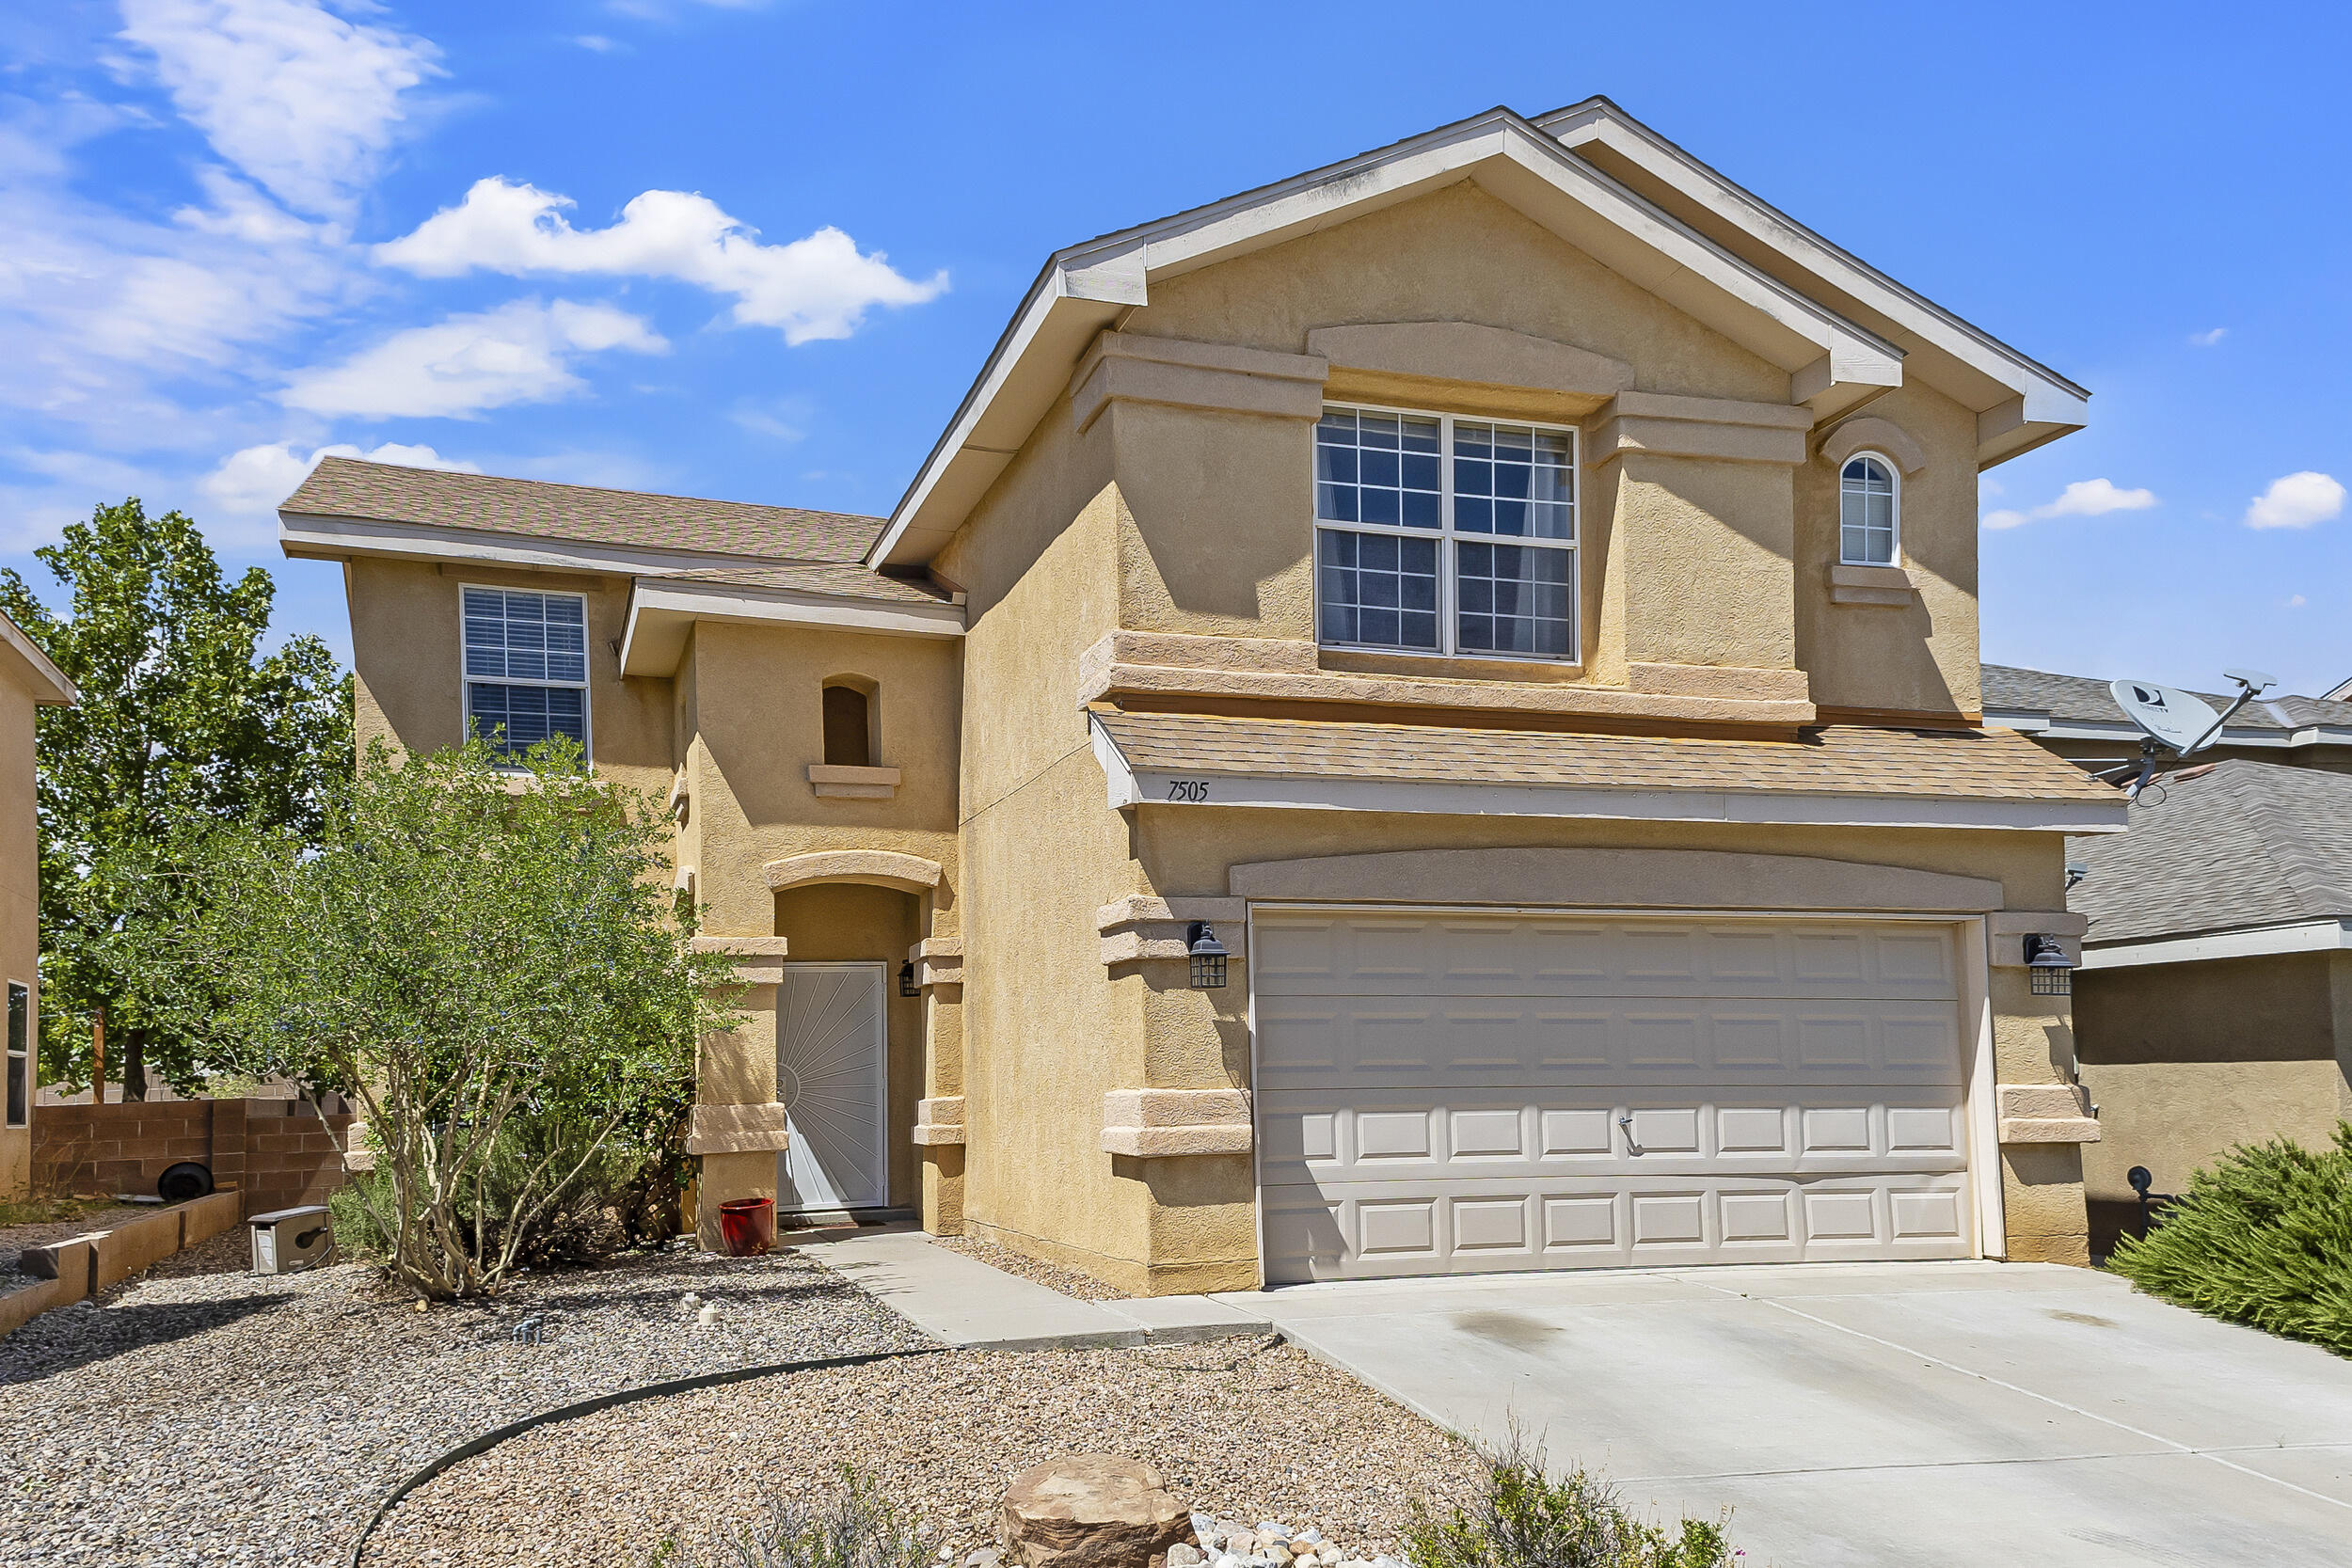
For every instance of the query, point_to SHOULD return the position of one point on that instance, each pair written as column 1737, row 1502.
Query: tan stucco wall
column 19, row 902
column 1920, row 656
column 2189, row 1060
column 405, row 646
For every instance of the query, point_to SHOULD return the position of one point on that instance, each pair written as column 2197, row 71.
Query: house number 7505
column 1195, row 790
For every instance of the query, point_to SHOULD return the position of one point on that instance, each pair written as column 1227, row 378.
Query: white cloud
column 820, row 286
column 462, row 365
column 2297, row 500
column 2084, row 498
column 2207, row 340
column 302, row 101
column 595, row 43
column 2296, row 601
column 254, row 481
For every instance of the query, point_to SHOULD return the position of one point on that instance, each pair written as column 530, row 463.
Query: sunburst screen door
column 829, row 1076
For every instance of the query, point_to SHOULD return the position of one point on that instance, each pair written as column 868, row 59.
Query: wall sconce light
column 906, row 980
column 2052, row 972
column 1208, row 957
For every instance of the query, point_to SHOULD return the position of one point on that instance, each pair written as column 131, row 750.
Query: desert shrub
column 2263, row 1238
column 1521, row 1518
column 854, row 1527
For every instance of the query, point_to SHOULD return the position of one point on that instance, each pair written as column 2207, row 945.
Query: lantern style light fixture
column 2052, row 972
column 906, row 980
column 1208, row 957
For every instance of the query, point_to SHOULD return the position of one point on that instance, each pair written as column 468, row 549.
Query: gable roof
column 2080, row 708
column 2236, row 844
column 1786, row 316
column 2019, row 401
column 486, row 504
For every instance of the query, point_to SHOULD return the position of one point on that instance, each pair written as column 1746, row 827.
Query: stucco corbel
column 2045, row 1114
column 938, row 965
column 737, row 1129
column 1148, row 1124
column 759, row 960
column 1140, row 927
column 939, row 1122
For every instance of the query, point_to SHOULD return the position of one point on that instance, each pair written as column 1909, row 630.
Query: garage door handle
column 1627, row 1122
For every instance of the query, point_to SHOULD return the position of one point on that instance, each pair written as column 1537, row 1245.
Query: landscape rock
column 1182, row 1556
column 1091, row 1511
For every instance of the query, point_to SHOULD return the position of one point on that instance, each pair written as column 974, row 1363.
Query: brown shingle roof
column 1839, row 759
column 2220, row 849
column 387, row 492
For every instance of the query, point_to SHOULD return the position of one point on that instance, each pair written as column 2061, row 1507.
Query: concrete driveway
column 1909, row 1414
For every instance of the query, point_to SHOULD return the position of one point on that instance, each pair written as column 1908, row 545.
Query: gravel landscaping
column 1070, row 1282
column 199, row 1415
column 1242, row 1428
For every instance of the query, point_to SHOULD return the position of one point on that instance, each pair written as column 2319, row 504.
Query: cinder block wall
column 277, row 1151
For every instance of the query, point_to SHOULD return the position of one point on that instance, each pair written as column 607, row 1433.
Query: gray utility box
column 292, row 1239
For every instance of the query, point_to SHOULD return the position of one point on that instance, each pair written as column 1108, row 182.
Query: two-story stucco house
column 1422, row 717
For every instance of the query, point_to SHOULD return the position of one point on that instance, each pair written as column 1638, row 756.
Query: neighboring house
column 2214, row 1006
column 28, row 683
column 1513, row 591
column 2075, row 717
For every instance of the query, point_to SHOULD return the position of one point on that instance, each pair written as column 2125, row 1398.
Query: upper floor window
column 526, row 666
column 848, row 727
column 1445, row 535
column 1866, row 511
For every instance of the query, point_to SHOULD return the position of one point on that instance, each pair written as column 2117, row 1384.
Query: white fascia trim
column 2049, row 397
column 2310, row 936
column 1113, row 272
column 419, row 541
column 62, row 692
column 1129, row 786
column 656, row 599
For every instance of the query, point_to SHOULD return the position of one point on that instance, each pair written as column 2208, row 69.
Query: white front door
column 832, row 1077
column 1443, row 1092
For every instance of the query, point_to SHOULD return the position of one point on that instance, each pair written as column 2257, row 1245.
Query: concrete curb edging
column 496, row 1436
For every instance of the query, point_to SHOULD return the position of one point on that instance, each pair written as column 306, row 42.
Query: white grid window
column 1442, row 535
column 20, row 1053
column 526, row 666
column 1866, row 511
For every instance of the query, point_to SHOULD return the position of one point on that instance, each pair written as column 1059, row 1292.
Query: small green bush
column 1521, row 1518
column 2263, row 1238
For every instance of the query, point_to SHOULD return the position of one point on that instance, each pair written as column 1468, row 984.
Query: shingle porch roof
column 1830, row 760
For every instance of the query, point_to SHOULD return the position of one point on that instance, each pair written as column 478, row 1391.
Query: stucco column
column 939, row 1136
column 738, row 1126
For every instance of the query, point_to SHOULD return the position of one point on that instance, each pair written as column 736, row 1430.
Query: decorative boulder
column 1091, row 1511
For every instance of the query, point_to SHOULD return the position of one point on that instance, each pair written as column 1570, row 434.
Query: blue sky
column 759, row 251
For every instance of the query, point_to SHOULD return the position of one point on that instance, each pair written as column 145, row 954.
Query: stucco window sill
column 1871, row 585
column 830, row 782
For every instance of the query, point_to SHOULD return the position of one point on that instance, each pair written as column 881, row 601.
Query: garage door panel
column 1439, row 1091
column 1355, row 954
column 1395, row 1228
column 1372, row 1042
column 1311, row 1138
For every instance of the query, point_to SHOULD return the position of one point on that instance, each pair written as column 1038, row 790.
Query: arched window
column 1866, row 511
column 848, row 727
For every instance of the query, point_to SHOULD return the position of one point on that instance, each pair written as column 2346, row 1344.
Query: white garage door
column 1443, row 1092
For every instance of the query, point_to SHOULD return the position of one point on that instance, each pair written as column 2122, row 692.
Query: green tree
column 492, row 965
column 184, row 723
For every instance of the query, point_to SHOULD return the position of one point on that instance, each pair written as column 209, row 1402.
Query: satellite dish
column 2181, row 722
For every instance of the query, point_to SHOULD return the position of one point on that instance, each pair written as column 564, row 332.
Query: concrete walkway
column 1954, row 1415
column 963, row 1300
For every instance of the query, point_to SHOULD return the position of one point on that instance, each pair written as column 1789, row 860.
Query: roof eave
column 662, row 610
